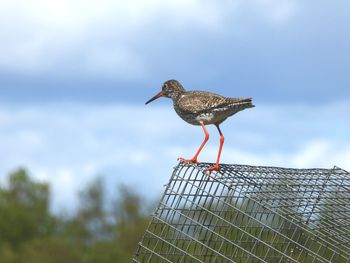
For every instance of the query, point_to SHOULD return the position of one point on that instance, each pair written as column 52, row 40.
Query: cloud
column 69, row 144
column 103, row 51
column 112, row 37
column 276, row 12
column 318, row 153
column 48, row 35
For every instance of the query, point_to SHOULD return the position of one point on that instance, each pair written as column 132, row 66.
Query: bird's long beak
column 160, row 94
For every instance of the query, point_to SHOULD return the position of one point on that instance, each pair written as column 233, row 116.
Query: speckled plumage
column 197, row 106
column 202, row 108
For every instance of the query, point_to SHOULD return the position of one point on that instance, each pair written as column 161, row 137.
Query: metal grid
column 250, row 214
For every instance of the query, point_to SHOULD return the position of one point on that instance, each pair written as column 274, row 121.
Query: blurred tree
column 100, row 231
column 131, row 221
column 52, row 249
column 24, row 210
column 7, row 254
column 90, row 225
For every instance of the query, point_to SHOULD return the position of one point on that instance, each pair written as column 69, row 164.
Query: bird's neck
column 177, row 95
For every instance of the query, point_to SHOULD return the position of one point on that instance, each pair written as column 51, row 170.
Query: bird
column 202, row 108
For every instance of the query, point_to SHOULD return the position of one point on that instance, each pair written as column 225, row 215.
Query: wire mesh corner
column 250, row 214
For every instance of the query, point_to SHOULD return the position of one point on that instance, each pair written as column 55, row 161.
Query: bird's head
column 170, row 89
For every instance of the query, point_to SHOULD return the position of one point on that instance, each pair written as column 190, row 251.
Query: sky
column 74, row 76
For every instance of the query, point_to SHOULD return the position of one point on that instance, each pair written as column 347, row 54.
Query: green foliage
column 101, row 230
column 24, row 210
column 131, row 220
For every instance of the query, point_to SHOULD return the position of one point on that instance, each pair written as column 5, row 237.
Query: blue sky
column 74, row 76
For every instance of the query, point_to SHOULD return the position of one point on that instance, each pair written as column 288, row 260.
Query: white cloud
column 40, row 34
column 319, row 153
column 277, row 12
column 112, row 37
column 69, row 144
column 117, row 61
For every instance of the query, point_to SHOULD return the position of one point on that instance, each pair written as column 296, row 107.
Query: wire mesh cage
column 250, row 214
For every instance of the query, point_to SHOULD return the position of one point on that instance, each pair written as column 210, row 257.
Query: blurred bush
column 99, row 231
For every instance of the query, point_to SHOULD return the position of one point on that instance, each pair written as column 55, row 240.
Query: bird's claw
column 212, row 168
column 187, row 161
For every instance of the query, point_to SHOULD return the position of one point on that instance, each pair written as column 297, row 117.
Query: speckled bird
column 202, row 108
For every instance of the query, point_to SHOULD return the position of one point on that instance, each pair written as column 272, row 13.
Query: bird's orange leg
column 194, row 159
column 216, row 166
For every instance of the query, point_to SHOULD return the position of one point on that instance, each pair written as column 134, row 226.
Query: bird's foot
column 187, row 161
column 212, row 168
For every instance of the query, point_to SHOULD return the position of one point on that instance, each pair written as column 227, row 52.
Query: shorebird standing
column 202, row 108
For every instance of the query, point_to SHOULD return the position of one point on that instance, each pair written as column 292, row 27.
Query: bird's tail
column 242, row 103
column 248, row 102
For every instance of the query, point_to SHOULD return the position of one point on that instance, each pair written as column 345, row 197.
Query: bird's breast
column 187, row 116
column 195, row 118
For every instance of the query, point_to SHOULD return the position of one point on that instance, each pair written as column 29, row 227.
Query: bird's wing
column 196, row 102
column 201, row 102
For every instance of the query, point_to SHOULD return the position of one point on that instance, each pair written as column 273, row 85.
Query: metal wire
column 250, row 214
